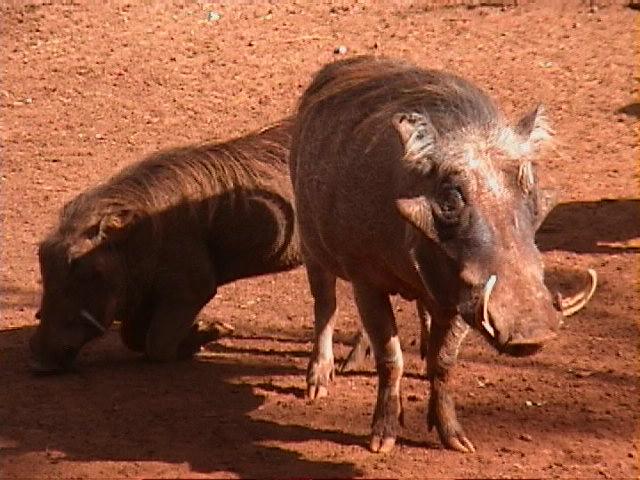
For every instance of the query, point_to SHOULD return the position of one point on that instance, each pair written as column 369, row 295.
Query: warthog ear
column 417, row 212
column 114, row 224
column 109, row 228
column 547, row 199
column 419, row 137
column 534, row 128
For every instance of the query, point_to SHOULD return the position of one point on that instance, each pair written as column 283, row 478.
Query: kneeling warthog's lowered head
column 84, row 280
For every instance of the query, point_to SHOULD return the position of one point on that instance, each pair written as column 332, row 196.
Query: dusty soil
column 88, row 88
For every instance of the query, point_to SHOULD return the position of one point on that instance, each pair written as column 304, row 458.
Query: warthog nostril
column 522, row 347
column 535, row 340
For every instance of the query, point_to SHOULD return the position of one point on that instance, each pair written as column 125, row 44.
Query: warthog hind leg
column 321, row 365
column 425, row 329
column 200, row 334
column 361, row 349
column 377, row 318
column 444, row 343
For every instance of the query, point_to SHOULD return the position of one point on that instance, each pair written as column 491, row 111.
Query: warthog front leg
column 379, row 322
column 135, row 333
column 444, row 344
column 321, row 367
column 172, row 335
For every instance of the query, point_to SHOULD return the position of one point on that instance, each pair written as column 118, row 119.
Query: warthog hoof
column 382, row 445
column 201, row 334
column 442, row 415
column 319, row 374
column 387, row 419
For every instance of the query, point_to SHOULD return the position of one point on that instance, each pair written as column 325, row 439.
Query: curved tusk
column 575, row 303
column 488, row 288
column 92, row 320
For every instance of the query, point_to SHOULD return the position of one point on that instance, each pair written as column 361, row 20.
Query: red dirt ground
column 89, row 88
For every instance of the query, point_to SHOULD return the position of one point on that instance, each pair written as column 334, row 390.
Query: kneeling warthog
column 150, row 247
column 411, row 182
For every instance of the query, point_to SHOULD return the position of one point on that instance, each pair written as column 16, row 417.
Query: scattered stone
column 529, row 403
column 340, row 50
column 526, row 437
column 99, row 136
column 214, row 17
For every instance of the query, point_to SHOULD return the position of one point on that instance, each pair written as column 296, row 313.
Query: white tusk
column 92, row 320
column 488, row 288
column 573, row 304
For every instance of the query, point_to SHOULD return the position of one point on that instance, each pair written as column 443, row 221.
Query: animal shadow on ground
column 604, row 226
column 632, row 109
column 117, row 407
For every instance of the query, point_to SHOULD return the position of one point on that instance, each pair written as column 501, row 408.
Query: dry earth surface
column 89, row 87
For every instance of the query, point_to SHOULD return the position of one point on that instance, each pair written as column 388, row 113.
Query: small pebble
column 213, row 16
column 526, row 437
column 340, row 50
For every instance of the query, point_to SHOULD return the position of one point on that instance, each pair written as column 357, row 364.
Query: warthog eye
column 450, row 203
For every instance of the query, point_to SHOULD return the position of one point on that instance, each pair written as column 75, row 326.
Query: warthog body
column 151, row 246
column 411, row 182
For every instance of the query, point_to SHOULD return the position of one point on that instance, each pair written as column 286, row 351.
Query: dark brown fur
column 150, row 246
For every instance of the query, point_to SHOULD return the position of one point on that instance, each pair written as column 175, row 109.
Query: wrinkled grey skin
column 412, row 182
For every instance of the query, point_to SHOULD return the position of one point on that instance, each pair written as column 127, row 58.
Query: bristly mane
column 369, row 91
column 366, row 84
column 188, row 174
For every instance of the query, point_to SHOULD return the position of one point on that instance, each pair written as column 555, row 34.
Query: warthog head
column 83, row 279
column 475, row 221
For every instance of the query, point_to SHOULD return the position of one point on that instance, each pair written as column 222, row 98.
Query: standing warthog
column 411, row 182
column 150, row 247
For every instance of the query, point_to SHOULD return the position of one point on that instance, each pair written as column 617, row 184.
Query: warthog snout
column 517, row 326
column 45, row 359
